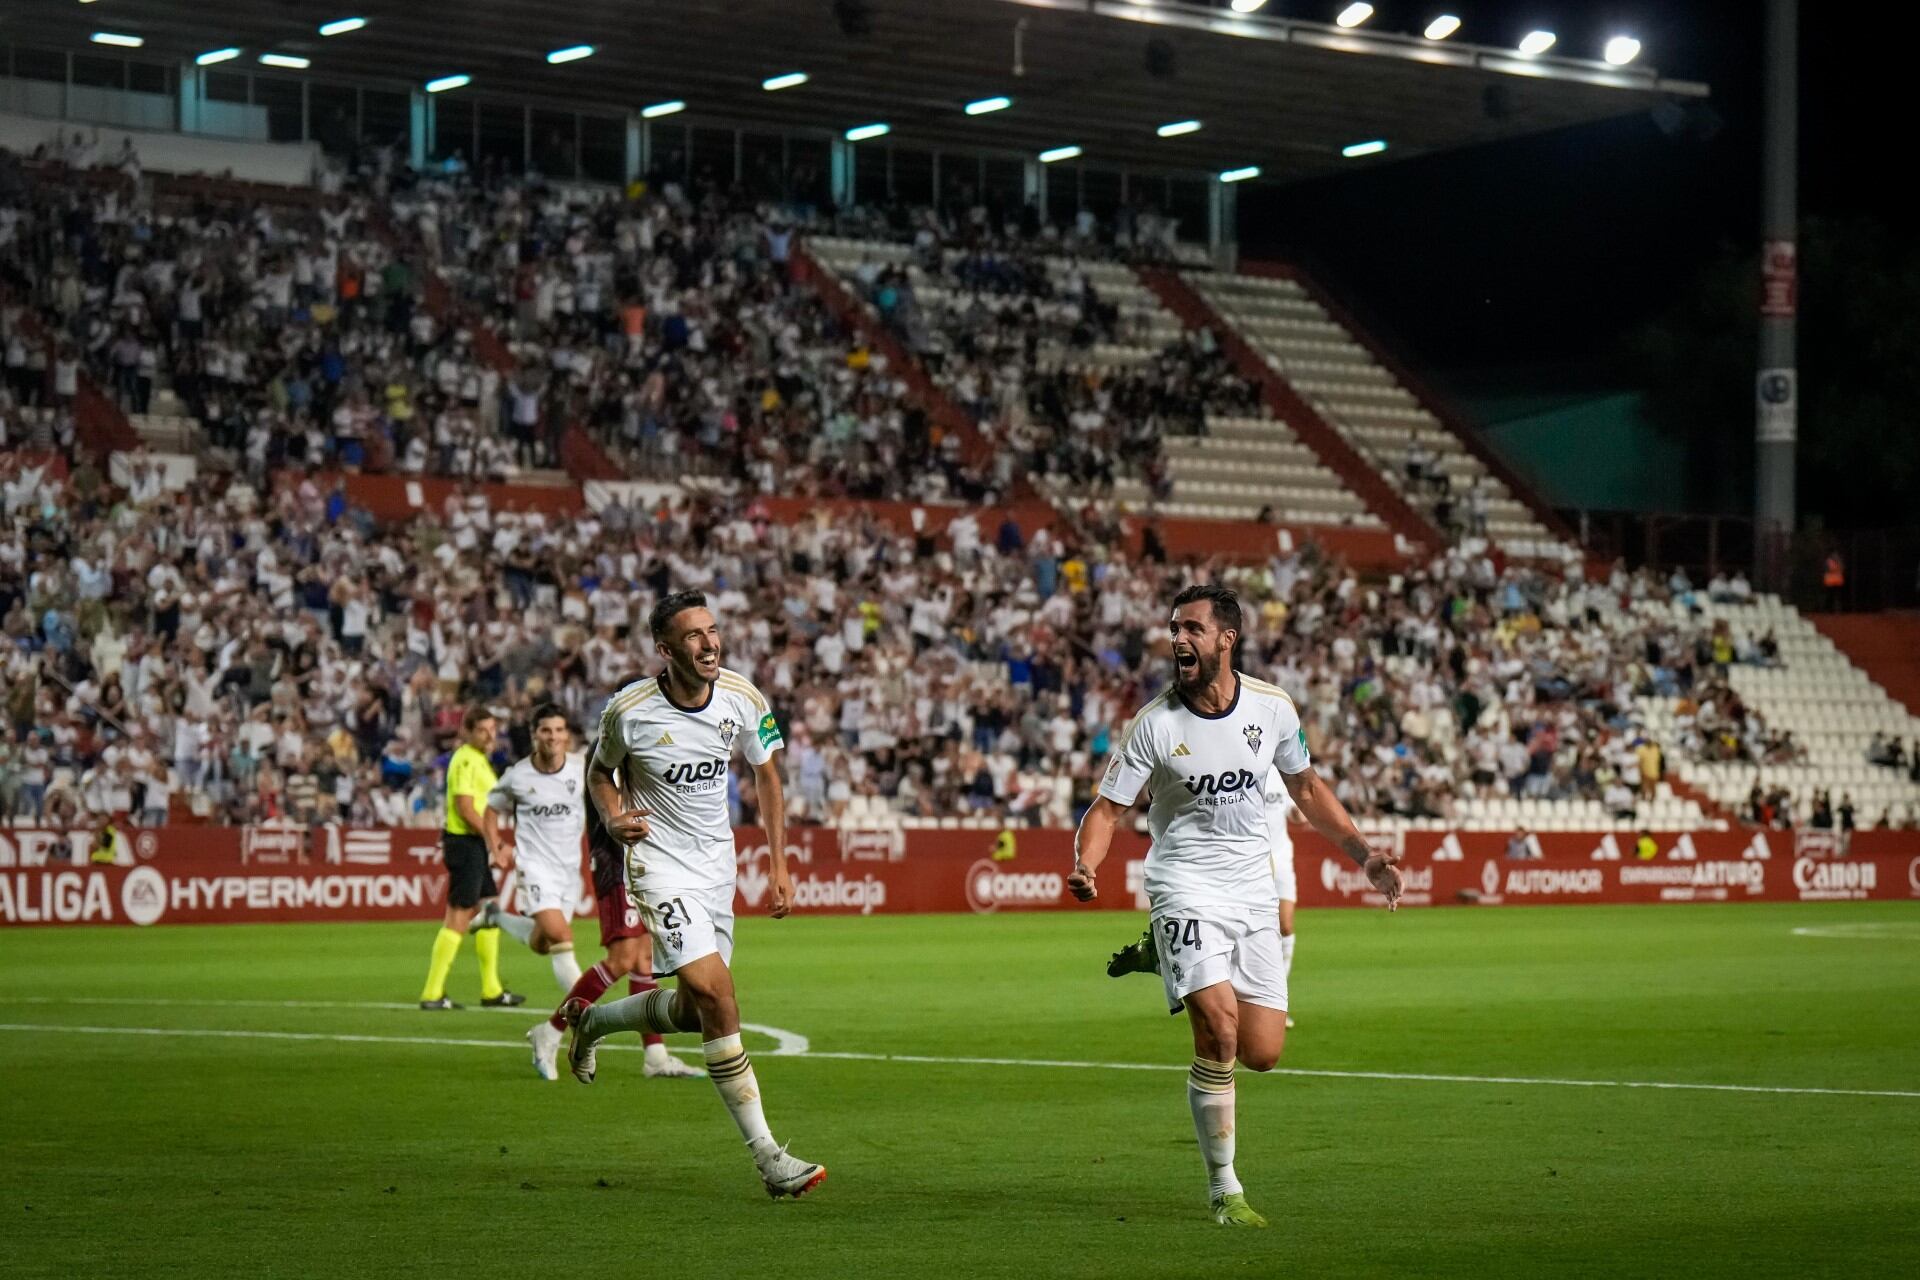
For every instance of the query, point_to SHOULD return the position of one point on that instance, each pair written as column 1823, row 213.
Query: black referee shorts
column 469, row 874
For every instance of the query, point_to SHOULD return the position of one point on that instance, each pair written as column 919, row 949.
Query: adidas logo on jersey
column 666, row 740
column 1181, row 750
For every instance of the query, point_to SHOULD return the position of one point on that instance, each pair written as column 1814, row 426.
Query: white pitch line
column 786, row 1043
column 930, row 1059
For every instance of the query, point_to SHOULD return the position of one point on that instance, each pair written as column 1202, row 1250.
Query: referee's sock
column 446, row 945
column 486, row 942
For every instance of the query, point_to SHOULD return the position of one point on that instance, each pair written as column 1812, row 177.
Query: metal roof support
column 636, row 166
column 840, row 165
column 193, row 91
column 1223, row 222
column 420, row 128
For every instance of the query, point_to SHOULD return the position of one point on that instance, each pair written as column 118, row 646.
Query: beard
column 1200, row 674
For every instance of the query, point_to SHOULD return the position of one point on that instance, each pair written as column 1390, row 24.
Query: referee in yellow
column 471, row 857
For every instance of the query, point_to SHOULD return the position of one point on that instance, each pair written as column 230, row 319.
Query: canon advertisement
column 207, row 875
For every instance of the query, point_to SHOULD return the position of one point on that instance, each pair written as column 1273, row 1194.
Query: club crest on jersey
column 1253, row 732
column 569, row 786
column 728, row 730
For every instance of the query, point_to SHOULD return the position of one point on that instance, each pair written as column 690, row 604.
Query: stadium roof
column 1281, row 94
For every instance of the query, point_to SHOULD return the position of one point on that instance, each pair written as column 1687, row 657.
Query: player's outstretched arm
column 1323, row 810
column 1090, row 845
column 773, row 817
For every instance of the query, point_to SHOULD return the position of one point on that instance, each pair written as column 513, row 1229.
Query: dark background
column 1623, row 255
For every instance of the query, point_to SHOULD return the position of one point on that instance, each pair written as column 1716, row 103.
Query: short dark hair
column 673, row 603
column 1226, row 613
column 475, row 714
column 1225, row 602
column 547, row 711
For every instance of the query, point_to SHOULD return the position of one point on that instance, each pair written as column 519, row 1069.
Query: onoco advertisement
column 203, row 875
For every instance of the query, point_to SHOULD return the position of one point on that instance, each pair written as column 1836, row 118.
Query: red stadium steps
column 859, row 318
column 1359, row 476
column 1884, row 645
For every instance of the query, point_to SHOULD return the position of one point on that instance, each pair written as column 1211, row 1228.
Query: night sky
column 1524, row 264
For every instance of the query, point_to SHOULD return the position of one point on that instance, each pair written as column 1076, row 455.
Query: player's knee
column 1263, row 1058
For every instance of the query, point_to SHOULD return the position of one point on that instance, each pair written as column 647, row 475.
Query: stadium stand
column 1050, row 344
column 1790, row 723
column 243, row 644
column 1339, row 374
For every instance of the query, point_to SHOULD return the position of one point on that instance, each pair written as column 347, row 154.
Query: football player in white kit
column 670, row 740
column 1203, row 748
column 546, row 796
column 1142, row 956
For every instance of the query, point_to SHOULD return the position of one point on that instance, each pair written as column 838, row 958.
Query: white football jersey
column 549, row 810
column 674, row 761
column 1207, row 776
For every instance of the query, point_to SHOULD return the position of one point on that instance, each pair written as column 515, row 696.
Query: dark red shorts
column 619, row 918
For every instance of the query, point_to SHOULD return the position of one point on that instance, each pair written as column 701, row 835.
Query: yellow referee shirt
column 468, row 774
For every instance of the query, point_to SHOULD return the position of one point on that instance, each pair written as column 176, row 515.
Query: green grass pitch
column 240, row 1154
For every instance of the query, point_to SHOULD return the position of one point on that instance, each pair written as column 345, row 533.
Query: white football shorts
column 1208, row 945
column 546, row 885
column 687, row 924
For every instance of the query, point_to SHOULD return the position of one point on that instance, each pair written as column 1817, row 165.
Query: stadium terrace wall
column 396, row 498
column 221, row 875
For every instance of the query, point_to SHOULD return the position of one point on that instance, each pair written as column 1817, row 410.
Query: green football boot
column 1234, row 1211
column 1137, row 956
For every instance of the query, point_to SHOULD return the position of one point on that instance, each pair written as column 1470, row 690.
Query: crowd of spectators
column 1018, row 344
column 273, row 653
column 294, row 336
column 668, row 322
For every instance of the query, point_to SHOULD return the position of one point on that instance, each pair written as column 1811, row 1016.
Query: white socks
column 732, row 1075
column 1286, row 955
column 652, row 1012
column 1210, row 1097
column 519, row 928
column 566, row 969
